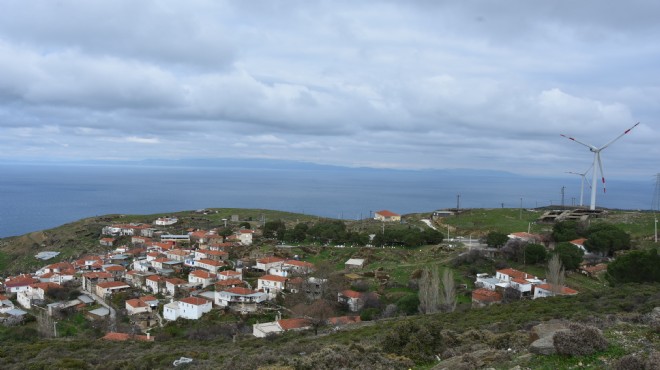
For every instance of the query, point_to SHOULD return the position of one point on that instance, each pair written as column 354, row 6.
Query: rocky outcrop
column 541, row 337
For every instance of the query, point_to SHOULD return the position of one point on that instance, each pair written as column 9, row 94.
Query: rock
column 541, row 336
column 548, row 328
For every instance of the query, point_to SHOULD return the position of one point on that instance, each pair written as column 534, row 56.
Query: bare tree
column 555, row 275
column 429, row 291
column 448, row 291
column 316, row 313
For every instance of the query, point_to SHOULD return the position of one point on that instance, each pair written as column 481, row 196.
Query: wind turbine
column 598, row 164
column 584, row 178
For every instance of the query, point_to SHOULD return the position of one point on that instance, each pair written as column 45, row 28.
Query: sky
column 385, row 84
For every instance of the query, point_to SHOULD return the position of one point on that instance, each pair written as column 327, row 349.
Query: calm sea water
column 36, row 197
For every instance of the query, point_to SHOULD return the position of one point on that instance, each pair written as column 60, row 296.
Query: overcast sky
column 397, row 84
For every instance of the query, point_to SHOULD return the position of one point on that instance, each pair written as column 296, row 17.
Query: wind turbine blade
column 579, row 142
column 602, row 174
column 619, row 137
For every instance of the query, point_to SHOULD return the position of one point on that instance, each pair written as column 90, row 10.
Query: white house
column 191, row 308
column 240, row 299
column 5, row 304
column 136, row 306
column 545, row 290
column 265, row 264
column 387, row 216
column 172, row 284
column 34, row 292
column 245, row 236
column 201, row 277
column 155, row 283
column 271, row 284
column 229, row 275
column 166, row 221
column 279, row 326
column 209, row 265
column 107, row 288
column 353, row 299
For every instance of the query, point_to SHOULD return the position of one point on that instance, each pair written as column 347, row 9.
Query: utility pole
column 520, row 216
column 458, row 204
column 562, row 196
column 656, row 205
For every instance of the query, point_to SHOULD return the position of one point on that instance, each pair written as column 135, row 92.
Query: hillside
column 496, row 336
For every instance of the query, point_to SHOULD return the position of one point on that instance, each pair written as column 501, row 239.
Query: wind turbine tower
column 598, row 164
column 584, row 178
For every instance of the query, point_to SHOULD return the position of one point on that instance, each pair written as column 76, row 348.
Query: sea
column 40, row 196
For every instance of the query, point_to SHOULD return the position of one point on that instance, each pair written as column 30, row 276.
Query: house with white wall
column 191, row 308
column 271, row 284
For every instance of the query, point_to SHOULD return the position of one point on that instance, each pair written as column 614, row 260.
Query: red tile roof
column 176, row 281
column 485, row 295
column 240, row 290
column 386, row 213
column 579, row 241
column 565, row 290
column 124, row 336
column 136, row 303
column 229, row 282
column 211, row 262
column 288, row 324
column 281, row 279
column 513, row 273
column 202, row 274
column 195, row 301
column 112, row 284
column 351, row 293
column 97, row 275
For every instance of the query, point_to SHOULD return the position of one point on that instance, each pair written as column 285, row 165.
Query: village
column 162, row 277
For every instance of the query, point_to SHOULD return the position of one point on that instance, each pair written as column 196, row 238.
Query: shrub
column 580, row 340
column 638, row 362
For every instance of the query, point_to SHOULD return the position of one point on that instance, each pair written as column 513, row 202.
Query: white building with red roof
column 136, row 306
column 271, row 284
column 266, row 263
column 209, row 265
column 34, row 292
column 353, row 299
column 546, row 290
column 107, row 288
column 173, row 284
column 387, row 216
column 230, row 274
column 240, row 299
column 201, row 277
column 191, row 308
column 279, row 326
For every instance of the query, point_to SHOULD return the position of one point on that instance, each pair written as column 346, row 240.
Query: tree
column 245, row 225
column 496, row 239
column 570, row 255
column 566, row 231
column 448, row 299
column 429, row 291
column 555, row 275
column 635, row 267
column 535, row 253
column 274, row 229
column 607, row 239
column 316, row 313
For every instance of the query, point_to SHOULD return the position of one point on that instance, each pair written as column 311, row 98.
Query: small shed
column 354, row 263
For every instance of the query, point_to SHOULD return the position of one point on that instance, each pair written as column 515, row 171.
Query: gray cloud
column 421, row 84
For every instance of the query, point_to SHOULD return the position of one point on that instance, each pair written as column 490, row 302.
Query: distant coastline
column 39, row 196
